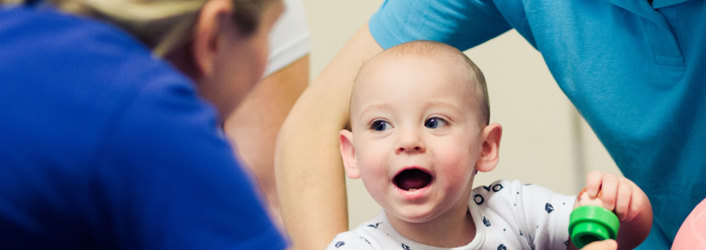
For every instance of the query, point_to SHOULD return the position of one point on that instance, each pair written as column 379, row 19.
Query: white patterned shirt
column 507, row 215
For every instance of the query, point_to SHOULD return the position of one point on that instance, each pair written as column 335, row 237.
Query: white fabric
column 289, row 39
column 507, row 215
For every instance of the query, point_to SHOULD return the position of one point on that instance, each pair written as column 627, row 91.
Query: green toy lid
column 591, row 223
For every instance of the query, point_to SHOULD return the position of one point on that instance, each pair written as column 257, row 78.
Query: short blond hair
column 163, row 25
column 435, row 49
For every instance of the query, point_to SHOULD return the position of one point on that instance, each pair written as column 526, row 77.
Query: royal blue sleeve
column 460, row 23
column 168, row 180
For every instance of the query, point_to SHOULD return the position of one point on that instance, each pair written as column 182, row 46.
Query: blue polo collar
column 644, row 9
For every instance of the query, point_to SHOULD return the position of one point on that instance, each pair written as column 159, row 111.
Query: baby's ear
column 348, row 154
column 489, row 154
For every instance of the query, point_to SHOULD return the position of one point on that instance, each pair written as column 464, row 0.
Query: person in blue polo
column 636, row 70
column 111, row 131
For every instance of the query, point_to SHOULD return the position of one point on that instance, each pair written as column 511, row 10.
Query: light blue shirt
column 635, row 71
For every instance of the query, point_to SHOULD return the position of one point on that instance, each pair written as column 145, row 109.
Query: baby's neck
column 448, row 230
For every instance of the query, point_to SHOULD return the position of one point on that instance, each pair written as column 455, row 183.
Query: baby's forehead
column 421, row 59
column 397, row 55
column 387, row 65
column 402, row 73
column 400, row 60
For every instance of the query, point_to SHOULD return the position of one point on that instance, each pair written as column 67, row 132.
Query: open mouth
column 412, row 179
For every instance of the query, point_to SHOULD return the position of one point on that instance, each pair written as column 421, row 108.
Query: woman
column 105, row 145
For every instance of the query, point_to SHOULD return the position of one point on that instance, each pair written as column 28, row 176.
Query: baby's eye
column 379, row 125
column 434, row 122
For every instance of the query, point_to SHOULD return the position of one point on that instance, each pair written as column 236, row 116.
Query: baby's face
column 416, row 135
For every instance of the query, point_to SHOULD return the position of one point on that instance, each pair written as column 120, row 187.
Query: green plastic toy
column 591, row 223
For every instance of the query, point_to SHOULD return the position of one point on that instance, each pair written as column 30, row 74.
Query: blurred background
column 545, row 141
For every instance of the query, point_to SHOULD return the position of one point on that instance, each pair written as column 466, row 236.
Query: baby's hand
column 615, row 193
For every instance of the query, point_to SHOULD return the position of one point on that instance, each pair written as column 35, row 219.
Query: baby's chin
column 413, row 216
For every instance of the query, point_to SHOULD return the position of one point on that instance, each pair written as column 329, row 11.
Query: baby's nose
column 410, row 149
column 411, row 143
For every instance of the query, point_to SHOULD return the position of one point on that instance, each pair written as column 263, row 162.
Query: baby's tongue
column 412, row 179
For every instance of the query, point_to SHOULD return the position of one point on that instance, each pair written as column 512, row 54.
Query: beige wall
column 544, row 140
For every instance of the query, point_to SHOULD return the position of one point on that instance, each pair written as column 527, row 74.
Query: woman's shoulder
column 84, row 80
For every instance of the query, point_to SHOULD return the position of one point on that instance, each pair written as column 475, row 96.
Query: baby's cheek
column 453, row 156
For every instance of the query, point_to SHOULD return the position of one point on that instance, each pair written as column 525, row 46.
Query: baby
column 419, row 134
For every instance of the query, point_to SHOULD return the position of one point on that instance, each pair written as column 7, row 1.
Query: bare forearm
column 255, row 134
column 308, row 169
column 310, row 181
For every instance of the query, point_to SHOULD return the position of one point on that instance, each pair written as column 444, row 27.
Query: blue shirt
column 635, row 71
column 103, row 146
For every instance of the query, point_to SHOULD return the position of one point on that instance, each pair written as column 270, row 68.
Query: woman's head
column 224, row 59
column 161, row 24
column 220, row 44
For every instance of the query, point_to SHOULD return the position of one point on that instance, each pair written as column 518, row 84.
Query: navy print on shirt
column 497, row 187
column 339, row 244
column 374, row 225
column 366, row 240
column 548, row 207
column 405, row 247
column 487, row 188
column 478, row 199
column 502, row 247
column 486, row 222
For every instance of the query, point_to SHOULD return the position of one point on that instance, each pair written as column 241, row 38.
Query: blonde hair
column 436, row 49
column 162, row 25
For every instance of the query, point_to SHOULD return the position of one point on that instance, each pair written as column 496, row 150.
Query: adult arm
column 255, row 134
column 308, row 169
column 287, row 75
